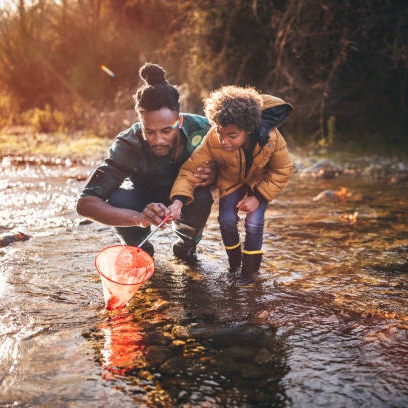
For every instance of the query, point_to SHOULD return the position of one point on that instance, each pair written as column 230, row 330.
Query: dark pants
column 228, row 219
column 190, row 225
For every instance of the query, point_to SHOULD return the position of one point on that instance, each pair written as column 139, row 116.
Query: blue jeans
column 190, row 225
column 228, row 219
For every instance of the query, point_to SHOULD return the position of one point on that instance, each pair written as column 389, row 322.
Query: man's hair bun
column 152, row 74
column 156, row 92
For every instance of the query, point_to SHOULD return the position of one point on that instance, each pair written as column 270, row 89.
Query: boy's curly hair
column 233, row 105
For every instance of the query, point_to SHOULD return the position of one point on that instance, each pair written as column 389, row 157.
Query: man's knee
column 197, row 212
column 203, row 199
column 123, row 198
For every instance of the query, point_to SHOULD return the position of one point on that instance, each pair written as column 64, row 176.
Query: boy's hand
column 248, row 204
column 206, row 173
column 175, row 209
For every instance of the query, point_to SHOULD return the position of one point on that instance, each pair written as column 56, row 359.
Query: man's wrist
column 136, row 219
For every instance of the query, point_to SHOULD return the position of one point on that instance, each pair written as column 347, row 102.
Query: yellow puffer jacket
column 269, row 172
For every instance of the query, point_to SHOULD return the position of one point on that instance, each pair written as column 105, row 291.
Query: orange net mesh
column 123, row 270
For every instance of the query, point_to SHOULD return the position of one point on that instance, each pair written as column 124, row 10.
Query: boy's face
column 158, row 129
column 232, row 137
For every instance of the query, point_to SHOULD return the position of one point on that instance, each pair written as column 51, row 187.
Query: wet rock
column 8, row 239
column 160, row 305
column 240, row 353
column 263, row 356
column 226, row 336
column 174, row 365
column 180, row 332
column 323, row 168
column 246, row 370
column 177, row 344
column 182, row 396
column 175, row 313
column 158, row 337
column 157, row 355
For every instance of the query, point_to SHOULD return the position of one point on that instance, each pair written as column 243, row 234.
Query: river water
column 325, row 324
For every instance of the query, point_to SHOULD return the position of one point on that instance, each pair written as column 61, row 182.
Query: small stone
column 156, row 355
column 182, row 395
column 180, row 332
column 177, row 343
column 263, row 356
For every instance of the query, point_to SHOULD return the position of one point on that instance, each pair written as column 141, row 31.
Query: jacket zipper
column 239, row 173
column 240, row 166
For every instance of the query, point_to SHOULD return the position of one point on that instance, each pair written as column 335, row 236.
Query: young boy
column 253, row 165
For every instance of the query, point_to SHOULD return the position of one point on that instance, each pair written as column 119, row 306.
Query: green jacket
column 130, row 157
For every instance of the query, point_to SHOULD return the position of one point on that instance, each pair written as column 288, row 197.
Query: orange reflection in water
column 124, row 344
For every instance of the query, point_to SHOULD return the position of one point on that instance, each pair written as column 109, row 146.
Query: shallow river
column 325, row 325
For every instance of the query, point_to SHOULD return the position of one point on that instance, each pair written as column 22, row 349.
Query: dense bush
column 344, row 60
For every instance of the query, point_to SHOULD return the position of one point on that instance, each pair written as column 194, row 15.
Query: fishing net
column 123, row 269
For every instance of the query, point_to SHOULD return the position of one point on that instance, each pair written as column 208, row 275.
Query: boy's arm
column 186, row 180
column 279, row 168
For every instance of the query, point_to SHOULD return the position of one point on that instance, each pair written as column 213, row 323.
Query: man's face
column 158, row 131
column 232, row 137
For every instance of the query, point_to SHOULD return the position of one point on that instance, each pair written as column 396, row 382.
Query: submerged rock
column 225, row 336
column 157, row 355
column 180, row 332
column 263, row 356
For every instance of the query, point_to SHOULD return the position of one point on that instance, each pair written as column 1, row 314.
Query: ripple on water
column 325, row 324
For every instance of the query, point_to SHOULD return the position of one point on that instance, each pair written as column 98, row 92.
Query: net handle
column 163, row 221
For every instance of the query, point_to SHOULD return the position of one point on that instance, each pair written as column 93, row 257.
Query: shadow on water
column 325, row 325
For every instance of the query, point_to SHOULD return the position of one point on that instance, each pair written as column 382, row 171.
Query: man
column 130, row 190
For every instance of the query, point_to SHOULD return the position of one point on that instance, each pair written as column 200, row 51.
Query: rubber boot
column 250, row 266
column 234, row 258
column 185, row 249
column 188, row 238
column 148, row 247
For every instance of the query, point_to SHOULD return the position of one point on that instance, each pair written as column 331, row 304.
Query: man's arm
column 187, row 179
column 97, row 209
column 206, row 173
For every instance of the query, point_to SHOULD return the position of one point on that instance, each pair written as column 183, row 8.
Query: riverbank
column 22, row 146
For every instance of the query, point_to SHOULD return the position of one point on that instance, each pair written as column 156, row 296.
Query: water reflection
column 123, row 345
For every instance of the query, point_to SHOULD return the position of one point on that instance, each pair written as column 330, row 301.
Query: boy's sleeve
column 185, row 182
column 279, row 169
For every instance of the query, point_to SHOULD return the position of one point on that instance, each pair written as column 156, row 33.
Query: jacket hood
column 275, row 110
column 274, row 113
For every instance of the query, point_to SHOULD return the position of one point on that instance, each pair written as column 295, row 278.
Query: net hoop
column 120, row 283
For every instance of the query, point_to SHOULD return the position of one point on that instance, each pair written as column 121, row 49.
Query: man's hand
column 206, row 173
column 248, row 204
column 152, row 214
column 175, row 209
